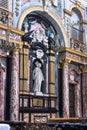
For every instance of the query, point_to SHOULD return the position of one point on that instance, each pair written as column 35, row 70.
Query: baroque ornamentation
column 48, row 3
column 6, row 46
column 64, row 62
column 39, row 36
column 17, row 7
column 5, row 17
column 77, row 45
column 83, row 68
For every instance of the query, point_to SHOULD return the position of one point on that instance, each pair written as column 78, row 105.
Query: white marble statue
column 37, row 77
column 39, row 53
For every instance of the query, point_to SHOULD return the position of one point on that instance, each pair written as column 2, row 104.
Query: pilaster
column 51, row 88
column 24, row 68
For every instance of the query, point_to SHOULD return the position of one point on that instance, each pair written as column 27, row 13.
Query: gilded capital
column 64, row 62
column 26, row 44
column 59, row 65
column 83, row 68
column 17, row 48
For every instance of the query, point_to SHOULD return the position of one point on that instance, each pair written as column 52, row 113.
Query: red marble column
column 2, row 90
column 78, row 100
column 14, row 95
column 84, row 92
column 65, row 90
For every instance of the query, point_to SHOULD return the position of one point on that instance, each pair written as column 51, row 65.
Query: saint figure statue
column 37, row 77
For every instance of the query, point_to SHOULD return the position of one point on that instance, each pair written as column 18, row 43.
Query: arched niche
column 51, row 33
column 50, row 17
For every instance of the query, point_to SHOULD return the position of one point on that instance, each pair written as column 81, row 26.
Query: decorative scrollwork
column 6, row 46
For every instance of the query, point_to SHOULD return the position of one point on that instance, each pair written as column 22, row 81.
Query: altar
column 68, row 123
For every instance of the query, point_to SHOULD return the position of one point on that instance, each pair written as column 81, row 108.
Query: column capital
column 26, row 44
column 17, row 48
column 64, row 62
column 50, row 52
column 83, row 68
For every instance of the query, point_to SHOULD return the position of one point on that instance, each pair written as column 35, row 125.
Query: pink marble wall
column 14, row 101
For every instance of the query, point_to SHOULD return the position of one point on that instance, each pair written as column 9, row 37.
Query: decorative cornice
column 11, row 29
column 72, row 59
column 74, row 52
column 11, row 39
column 83, row 21
column 1, row 8
column 67, row 12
